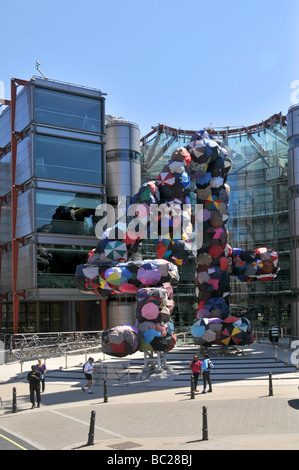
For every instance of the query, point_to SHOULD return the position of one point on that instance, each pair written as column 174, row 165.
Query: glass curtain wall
column 56, row 265
column 68, row 110
column 258, row 213
column 66, row 212
column 63, row 159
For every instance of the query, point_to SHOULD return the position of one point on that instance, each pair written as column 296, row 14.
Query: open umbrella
column 113, row 277
column 116, row 251
column 213, row 303
column 149, row 276
column 103, row 284
column 150, row 311
column 209, row 336
column 150, row 334
column 231, row 319
column 198, row 329
column 212, row 202
column 177, row 167
column 231, row 335
column 165, row 179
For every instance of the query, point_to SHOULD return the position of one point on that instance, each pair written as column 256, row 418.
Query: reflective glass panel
column 56, row 265
column 68, row 160
column 68, row 110
column 66, row 212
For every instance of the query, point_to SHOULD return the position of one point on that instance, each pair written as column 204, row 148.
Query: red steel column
column 14, row 202
column 104, row 313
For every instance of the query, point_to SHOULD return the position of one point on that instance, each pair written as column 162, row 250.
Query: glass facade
column 59, row 166
column 63, row 159
column 47, row 314
column 258, row 210
column 56, row 265
column 66, row 212
column 68, row 110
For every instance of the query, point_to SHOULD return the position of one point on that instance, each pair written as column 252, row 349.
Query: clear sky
column 185, row 63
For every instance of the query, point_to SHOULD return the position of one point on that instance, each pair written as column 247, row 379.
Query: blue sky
column 185, row 64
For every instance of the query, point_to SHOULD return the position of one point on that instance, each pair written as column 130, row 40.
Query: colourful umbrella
column 198, row 329
column 213, row 303
column 209, row 336
column 149, row 276
column 231, row 335
column 116, row 251
column 165, row 179
column 113, row 277
column 212, row 202
column 150, row 311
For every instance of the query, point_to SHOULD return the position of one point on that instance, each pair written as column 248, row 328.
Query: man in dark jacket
column 34, row 378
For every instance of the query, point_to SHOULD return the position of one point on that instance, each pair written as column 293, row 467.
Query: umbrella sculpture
column 109, row 270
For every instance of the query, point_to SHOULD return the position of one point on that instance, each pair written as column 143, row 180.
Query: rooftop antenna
column 37, row 64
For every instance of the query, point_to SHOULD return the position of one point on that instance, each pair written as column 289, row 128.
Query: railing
column 261, row 335
column 28, row 346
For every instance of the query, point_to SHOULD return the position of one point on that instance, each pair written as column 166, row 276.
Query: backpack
column 84, row 366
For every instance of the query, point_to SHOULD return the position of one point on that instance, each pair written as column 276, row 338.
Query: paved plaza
column 158, row 413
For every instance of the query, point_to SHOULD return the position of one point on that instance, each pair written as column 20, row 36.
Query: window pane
column 68, row 160
column 59, row 266
column 67, row 110
column 66, row 212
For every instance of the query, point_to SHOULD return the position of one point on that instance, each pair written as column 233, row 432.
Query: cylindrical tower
column 123, row 168
column 123, row 180
column 121, row 313
column 293, row 186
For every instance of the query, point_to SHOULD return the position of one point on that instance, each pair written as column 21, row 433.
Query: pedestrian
column 274, row 334
column 88, row 371
column 195, row 367
column 41, row 367
column 206, row 367
column 34, row 378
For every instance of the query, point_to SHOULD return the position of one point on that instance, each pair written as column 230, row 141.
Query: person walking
column 206, row 367
column 195, row 367
column 41, row 367
column 88, row 371
column 274, row 334
column 34, row 378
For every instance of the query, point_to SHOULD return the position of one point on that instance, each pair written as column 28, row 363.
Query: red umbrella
column 165, row 179
column 231, row 319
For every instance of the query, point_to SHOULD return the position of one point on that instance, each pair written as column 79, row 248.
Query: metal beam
column 14, row 201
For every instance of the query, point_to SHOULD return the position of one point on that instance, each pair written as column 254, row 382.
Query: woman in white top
column 88, row 371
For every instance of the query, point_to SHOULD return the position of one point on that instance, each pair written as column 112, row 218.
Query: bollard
column 14, row 400
column 270, row 385
column 286, row 357
column 105, row 391
column 90, row 441
column 192, row 388
column 204, row 423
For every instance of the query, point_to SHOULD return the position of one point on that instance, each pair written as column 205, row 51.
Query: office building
column 258, row 211
column 52, row 178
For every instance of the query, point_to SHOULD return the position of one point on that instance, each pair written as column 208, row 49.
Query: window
column 66, row 212
column 56, row 265
column 123, row 155
column 68, row 110
column 68, row 160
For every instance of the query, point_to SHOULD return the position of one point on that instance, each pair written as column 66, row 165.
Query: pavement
column 154, row 414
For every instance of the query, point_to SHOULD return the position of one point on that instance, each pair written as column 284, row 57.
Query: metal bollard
column 192, row 388
column 204, row 423
column 14, row 400
column 105, row 391
column 286, row 357
column 90, row 441
column 270, row 385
